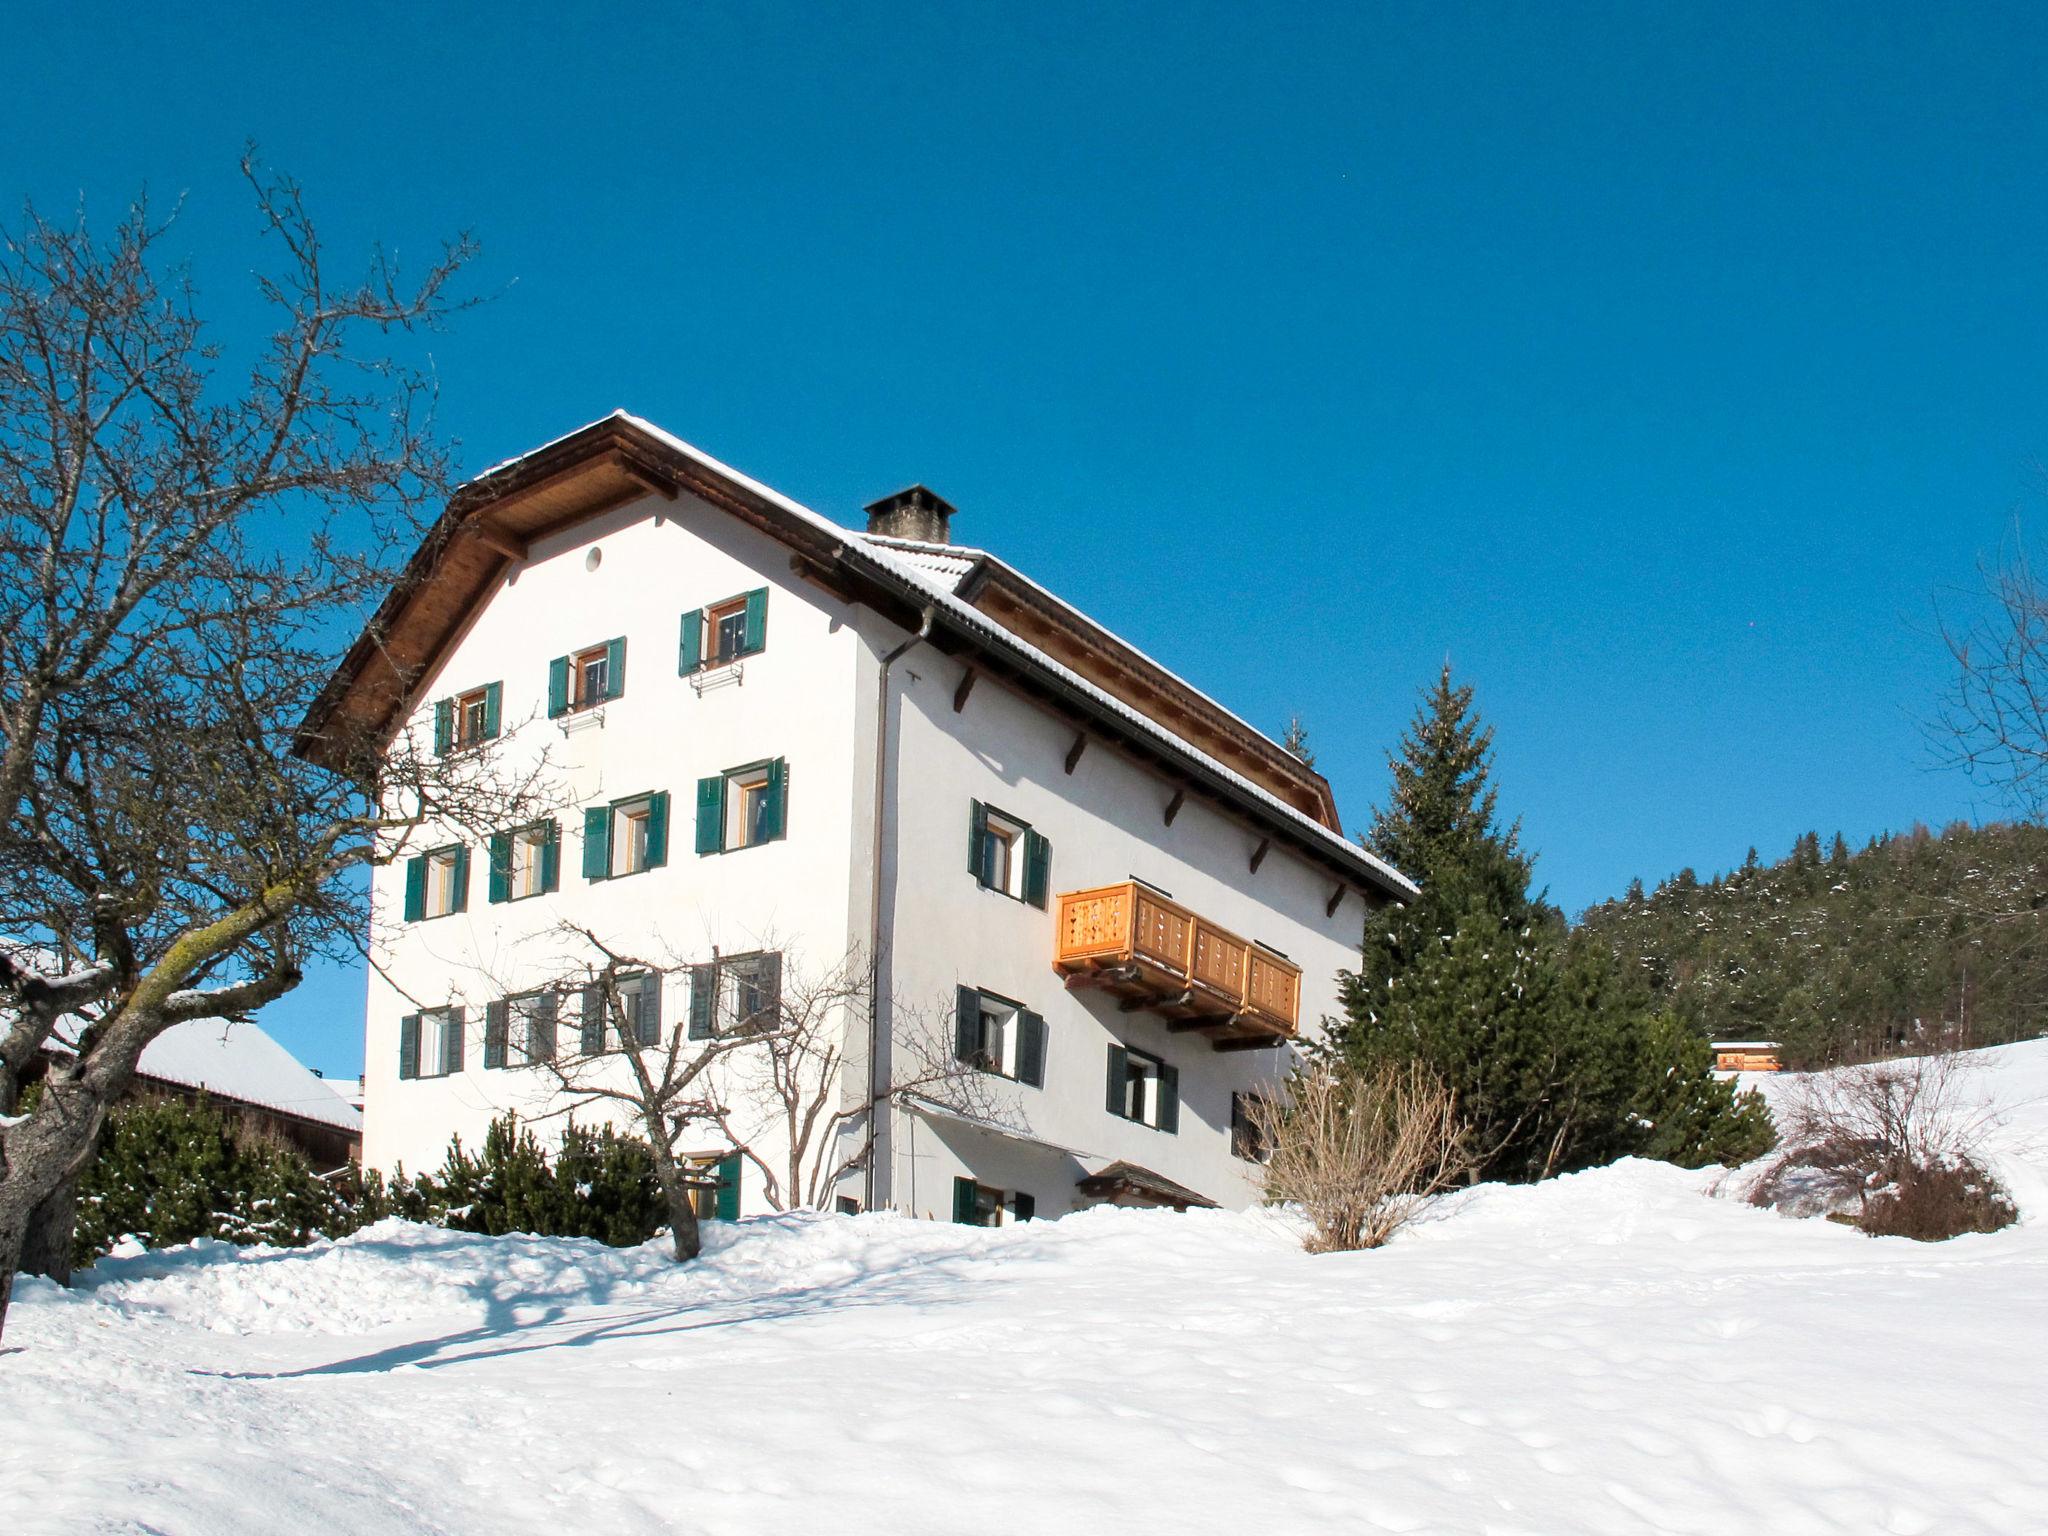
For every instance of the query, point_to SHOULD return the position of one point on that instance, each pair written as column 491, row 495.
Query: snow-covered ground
column 1611, row 1352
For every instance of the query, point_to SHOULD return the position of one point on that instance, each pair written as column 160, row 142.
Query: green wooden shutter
column 649, row 1031
column 1169, row 1100
column 1022, row 1206
column 416, row 888
column 711, row 814
column 501, row 867
column 558, row 687
column 497, row 1017
column 494, row 705
column 409, row 1046
column 1119, row 1081
column 1030, row 1049
column 703, row 1000
column 592, row 1043
column 756, row 637
column 614, row 668
column 977, row 835
column 964, row 1202
column 597, row 842
column 551, row 857
column 459, row 901
column 657, row 830
column 1037, row 869
column 770, row 988
column 775, row 801
column 967, row 1025
column 728, row 1204
column 451, row 1042
column 690, row 652
column 444, row 727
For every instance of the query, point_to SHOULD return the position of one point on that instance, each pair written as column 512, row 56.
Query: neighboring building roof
column 1742, row 1045
column 1129, row 1179
column 493, row 519
column 231, row 1059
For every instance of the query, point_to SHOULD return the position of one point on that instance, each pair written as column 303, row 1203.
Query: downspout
column 875, row 1106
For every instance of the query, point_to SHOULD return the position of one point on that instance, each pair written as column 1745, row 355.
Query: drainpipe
column 875, row 935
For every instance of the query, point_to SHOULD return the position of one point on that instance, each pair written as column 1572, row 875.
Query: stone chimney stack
column 918, row 513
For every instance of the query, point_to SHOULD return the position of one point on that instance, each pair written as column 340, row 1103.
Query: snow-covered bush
column 1894, row 1146
column 596, row 1184
column 171, row 1169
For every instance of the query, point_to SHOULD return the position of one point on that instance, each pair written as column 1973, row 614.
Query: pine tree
column 1296, row 741
column 1539, row 1032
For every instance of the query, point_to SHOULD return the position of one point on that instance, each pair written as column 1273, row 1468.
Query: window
column 999, row 1036
column 430, row 1043
column 437, row 883
column 715, row 1187
column 736, row 994
column 722, row 633
column 527, row 862
column 587, row 678
column 1006, row 855
column 743, row 807
column 1143, row 1089
column 626, row 837
column 636, row 1019
column 1247, row 1137
column 531, row 1027
column 979, row 1205
column 467, row 720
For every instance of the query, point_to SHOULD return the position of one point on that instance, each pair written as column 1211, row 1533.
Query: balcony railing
column 1153, row 953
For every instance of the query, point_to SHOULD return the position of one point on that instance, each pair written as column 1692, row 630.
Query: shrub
column 171, row 1169
column 599, row 1185
column 1361, row 1151
column 1895, row 1146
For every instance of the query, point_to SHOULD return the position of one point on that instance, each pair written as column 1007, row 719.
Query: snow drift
column 1610, row 1352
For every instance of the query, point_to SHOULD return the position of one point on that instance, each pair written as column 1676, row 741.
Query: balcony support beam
column 1259, row 853
column 1180, row 798
column 1255, row 1043
column 966, row 687
column 1074, row 752
column 1336, row 900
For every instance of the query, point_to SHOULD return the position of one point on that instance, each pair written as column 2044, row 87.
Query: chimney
column 918, row 513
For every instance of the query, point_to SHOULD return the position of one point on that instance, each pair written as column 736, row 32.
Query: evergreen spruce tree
column 1296, row 741
column 1543, row 1038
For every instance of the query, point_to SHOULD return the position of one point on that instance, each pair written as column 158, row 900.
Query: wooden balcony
column 1154, row 954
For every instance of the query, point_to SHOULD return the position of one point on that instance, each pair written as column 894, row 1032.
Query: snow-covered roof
column 927, row 576
column 235, row 1060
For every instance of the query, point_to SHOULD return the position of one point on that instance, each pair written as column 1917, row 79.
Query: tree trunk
column 42, row 1156
column 682, row 1214
column 46, row 1245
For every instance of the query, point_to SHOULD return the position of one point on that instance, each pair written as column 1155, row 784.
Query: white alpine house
column 782, row 743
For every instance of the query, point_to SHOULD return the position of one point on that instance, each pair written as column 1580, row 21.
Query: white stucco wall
column 1106, row 824
column 795, row 700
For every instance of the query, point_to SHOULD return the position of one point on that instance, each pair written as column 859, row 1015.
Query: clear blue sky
column 1656, row 364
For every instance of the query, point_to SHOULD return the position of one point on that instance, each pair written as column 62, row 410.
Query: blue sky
column 1656, row 364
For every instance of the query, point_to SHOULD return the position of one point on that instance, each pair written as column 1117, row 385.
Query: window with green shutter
column 558, row 687
column 727, row 1172
column 497, row 1022
column 587, row 678
column 526, row 862
column 690, row 649
column 469, row 719
column 756, row 638
column 409, row 1046
column 1143, row 1089
column 721, row 633
column 743, row 807
column 437, row 883
column 444, row 727
column 999, row 1036
column 634, row 834
column 1006, row 855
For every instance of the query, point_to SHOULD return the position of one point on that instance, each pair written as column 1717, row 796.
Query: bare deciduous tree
column 179, row 548
column 1360, row 1151
column 1993, row 721
column 757, row 1063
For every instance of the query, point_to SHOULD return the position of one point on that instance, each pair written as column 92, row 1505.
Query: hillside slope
column 1610, row 1352
column 1843, row 955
